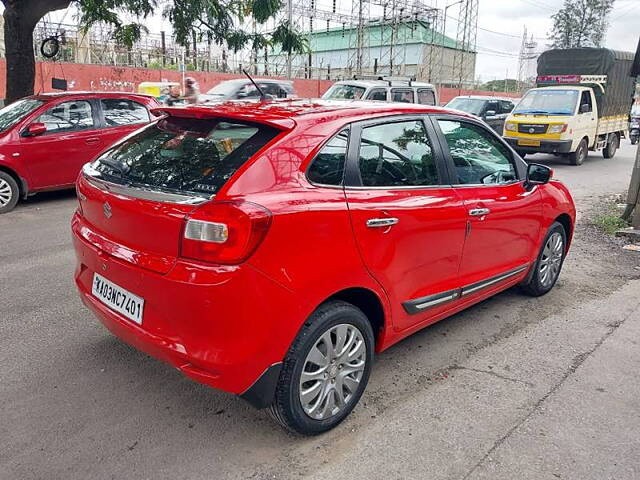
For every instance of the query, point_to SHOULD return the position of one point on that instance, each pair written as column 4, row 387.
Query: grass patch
column 608, row 218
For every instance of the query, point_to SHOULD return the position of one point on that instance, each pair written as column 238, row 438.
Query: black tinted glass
column 328, row 166
column 184, row 154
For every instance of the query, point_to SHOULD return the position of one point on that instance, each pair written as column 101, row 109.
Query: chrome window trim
column 401, row 187
column 91, row 175
column 421, row 304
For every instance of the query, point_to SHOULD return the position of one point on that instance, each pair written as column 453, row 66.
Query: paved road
column 512, row 388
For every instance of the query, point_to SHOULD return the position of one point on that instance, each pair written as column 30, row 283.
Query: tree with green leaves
column 581, row 23
column 220, row 21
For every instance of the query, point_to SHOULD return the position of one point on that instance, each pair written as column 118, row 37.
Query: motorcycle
column 634, row 130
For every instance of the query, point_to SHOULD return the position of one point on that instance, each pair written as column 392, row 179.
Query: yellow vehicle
column 582, row 103
column 157, row 89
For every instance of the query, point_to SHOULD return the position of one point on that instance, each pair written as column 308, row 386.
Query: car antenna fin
column 262, row 95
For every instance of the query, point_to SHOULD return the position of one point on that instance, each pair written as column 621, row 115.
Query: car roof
column 484, row 97
column 382, row 83
column 52, row 95
column 263, row 80
column 286, row 113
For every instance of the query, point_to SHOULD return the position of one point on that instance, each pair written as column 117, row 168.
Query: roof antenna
column 262, row 95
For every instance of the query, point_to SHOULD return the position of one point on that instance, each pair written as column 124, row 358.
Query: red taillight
column 224, row 232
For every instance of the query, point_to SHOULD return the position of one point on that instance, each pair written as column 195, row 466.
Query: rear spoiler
column 598, row 80
column 211, row 112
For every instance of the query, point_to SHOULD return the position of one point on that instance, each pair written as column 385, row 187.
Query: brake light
column 225, row 232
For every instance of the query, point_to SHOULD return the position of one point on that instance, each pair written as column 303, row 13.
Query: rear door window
column 397, row 154
column 426, row 96
column 379, row 94
column 184, row 154
column 403, row 95
column 118, row 111
column 68, row 117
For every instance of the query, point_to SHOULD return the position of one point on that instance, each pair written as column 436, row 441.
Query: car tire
column 546, row 270
column 611, row 147
column 9, row 192
column 578, row 157
column 323, row 406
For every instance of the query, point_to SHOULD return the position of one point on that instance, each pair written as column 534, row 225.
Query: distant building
column 417, row 51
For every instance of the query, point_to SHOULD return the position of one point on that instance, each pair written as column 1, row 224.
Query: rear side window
column 426, row 97
column 402, row 95
column 123, row 112
column 377, row 94
column 184, row 154
column 328, row 166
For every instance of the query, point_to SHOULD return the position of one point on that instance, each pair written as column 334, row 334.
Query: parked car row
column 45, row 139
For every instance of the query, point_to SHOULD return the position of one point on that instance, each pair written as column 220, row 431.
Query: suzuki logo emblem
column 106, row 208
column 532, row 130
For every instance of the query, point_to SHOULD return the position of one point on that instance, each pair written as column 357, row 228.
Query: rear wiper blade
column 121, row 168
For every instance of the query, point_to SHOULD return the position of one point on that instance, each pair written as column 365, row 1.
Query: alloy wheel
column 551, row 260
column 332, row 371
column 5, row 193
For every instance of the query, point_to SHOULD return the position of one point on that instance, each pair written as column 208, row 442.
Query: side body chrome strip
column 421, row 304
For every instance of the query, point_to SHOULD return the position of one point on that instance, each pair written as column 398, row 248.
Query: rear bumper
column 546, row 146
column 228, row 327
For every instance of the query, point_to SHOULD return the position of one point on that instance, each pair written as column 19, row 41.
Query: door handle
column 479, row 212
column 382, row 222
column 92, row 140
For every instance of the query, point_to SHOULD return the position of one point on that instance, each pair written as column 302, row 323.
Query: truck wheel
column 577, row 157
column 9, row 192
column 612, row 146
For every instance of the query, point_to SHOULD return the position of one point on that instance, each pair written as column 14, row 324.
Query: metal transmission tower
column 359, row 37
column 464, row 60
column 526, row 59
column 435, row 21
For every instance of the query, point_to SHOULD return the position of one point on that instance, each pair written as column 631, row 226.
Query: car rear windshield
column 183, row 154
column 469, row 105
column 14, row 112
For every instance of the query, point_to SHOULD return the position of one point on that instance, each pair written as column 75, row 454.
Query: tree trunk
column 21, row 64
column 20, row 19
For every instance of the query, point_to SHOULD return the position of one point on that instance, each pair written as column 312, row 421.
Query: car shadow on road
column 45, row 199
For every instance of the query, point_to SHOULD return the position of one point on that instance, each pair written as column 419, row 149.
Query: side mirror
column 585, row 108
column 242, row 95
column 538, row 174
column 35, row 129
column 490, row 113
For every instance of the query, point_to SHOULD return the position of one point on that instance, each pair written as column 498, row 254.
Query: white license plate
column 117, row 298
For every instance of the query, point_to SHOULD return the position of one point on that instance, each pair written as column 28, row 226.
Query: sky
column 501, row 24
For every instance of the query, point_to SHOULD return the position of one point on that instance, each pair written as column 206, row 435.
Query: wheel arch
column 22, row 184
column 565, row 220
column 367, row 301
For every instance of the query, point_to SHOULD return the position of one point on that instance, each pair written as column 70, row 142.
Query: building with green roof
column 417, row 51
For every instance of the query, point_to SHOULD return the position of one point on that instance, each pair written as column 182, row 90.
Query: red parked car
column 270, row 249
column 45, row 139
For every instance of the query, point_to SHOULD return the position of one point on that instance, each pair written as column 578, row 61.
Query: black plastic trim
column 421, row 304
column 263, row 391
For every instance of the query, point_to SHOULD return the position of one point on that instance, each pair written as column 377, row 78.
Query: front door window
column 478, row 157
column 68, row 117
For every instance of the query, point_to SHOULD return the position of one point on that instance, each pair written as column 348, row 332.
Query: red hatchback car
column 45, row 139
column 270, row 249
